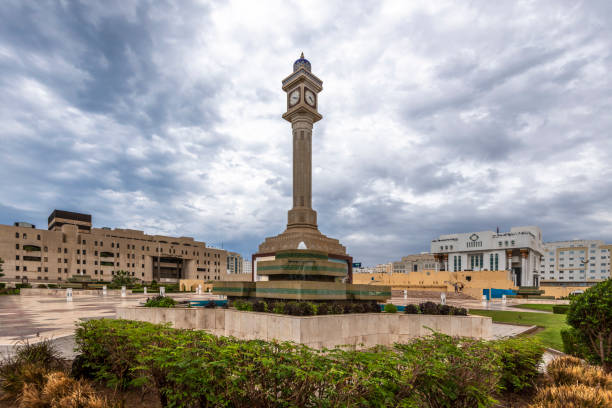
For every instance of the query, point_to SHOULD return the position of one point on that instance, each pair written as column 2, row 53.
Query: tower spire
column 302, row 56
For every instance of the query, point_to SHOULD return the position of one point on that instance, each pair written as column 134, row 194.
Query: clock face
column 294, row 97
column 310, row 98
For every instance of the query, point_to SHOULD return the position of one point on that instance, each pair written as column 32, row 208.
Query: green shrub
column 390, row 308
column 279, row 307
column 2, row 285
column 23, row 286
column 193, row 368
column 160, row 301
column 453, row 372
column 560, row 309
column 243, row 305
column 575, row 344
column 520, row 358
column 591, row 315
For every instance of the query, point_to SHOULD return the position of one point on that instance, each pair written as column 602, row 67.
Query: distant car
column 577, row 292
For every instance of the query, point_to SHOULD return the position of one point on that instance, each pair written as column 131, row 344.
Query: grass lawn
column 535, row 306
column 551, row 323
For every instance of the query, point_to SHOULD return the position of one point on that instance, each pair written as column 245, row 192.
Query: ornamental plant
column 160, row 301
column 590, row 314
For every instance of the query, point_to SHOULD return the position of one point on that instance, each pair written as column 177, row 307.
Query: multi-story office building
column 247, row 266
column 70, row 246
column 575, row 261
column 415, row 263
column 519, row 252
column 234, row 262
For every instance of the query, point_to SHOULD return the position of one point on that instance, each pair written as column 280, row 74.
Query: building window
column 16, row 235
column 38, row 237
column 16, row 257
column 25, row 268
column 17, row 268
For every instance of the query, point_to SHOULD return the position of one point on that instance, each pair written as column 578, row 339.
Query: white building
column 519, row 252
column 247, row 266
column 575, row 261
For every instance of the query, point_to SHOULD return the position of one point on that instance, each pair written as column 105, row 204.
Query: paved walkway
column 29, row 317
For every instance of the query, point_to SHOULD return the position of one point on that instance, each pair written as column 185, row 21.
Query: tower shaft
column 302, row 215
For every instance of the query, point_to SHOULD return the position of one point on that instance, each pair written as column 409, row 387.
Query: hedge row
column 432, row 308
column 560, row 309
column 306, row 308
column 195, row 369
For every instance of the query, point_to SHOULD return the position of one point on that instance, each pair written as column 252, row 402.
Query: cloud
column 438, row 118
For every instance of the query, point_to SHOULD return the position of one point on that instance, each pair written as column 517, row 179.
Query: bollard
column 69, row 295
column 162, row 291
column 200, row 289
column 484, row 300
column 443, row 298
column 405, row 294
column 104, row 290
column 123, row 291
column 504, row 299
column 145, row 290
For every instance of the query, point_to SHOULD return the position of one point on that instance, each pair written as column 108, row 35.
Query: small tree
column 123, row 278
column 1, row 270
column 591, row 315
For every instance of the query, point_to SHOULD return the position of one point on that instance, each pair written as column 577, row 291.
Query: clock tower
column 302, row 88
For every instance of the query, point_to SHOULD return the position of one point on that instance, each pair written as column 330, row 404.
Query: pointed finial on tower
column 302, row 56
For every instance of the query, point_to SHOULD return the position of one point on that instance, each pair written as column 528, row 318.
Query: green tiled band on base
column 243, row 289
column 301, row 264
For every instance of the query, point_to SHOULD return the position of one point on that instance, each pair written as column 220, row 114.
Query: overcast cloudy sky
column 438, row 117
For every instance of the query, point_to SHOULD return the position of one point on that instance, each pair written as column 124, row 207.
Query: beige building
column 235, row 263
column 71, row 247
column 415, row 263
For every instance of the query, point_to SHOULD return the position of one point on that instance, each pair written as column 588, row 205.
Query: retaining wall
column 359, row 330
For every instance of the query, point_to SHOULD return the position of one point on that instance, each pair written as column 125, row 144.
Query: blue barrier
column 497, row 293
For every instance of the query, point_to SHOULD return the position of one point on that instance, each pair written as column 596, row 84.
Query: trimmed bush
column 279, row 307
column 260, row 306
column 575, row 344
column 591, row 315
column 560, row 309
column 412, row 309
column 337, row 308
column 323, row 309
column 390, row 308
column 160, row 301
column 429, row 308
column 210, row 304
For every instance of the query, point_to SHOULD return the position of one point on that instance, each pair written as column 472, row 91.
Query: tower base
column 311, row 237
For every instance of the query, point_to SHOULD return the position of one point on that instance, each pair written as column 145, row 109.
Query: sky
column 438, row 117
